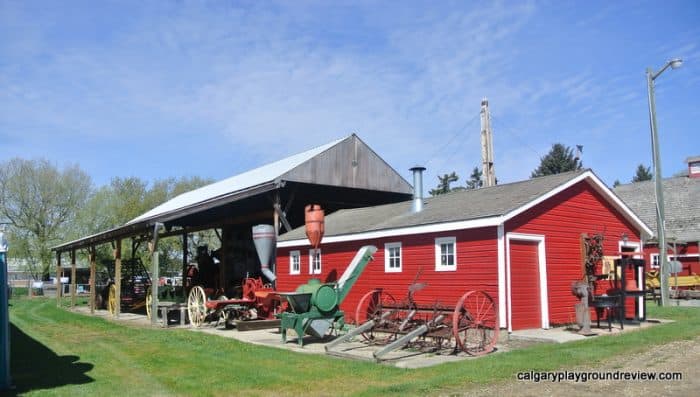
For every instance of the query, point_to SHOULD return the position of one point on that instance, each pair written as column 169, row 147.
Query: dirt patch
column 680, row 356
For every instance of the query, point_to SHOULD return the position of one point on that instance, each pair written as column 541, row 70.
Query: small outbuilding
column 519, row 242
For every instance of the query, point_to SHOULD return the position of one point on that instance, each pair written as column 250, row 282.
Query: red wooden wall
column 476, row 267
column 562, row 219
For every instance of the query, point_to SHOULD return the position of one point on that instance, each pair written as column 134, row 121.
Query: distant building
column 682, row 215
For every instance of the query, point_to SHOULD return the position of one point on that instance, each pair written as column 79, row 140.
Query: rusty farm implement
column 470, row 326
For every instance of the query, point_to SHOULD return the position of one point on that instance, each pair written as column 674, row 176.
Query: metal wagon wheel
column 112, row 299
column 475, row 323
column 196, row 306
column 371, row 307
column 149, row 302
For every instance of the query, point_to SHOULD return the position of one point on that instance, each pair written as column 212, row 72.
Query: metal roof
column 681, row 204
column 487, row 206
column 250, row 179
column 344, row 173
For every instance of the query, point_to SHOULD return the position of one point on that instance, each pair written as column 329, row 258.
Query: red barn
column 682, row 215
column 520, row 242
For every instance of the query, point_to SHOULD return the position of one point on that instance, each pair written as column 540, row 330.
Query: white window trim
column 311, row 261
column 292, row 255
column 669, row 258
column 387, row 262
column 445, row 240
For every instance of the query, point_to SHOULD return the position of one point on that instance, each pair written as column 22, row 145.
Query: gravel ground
column 682, row 356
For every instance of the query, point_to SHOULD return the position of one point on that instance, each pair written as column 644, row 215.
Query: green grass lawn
column 56, row 352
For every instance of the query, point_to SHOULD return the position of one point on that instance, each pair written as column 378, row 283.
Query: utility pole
column 487, row 168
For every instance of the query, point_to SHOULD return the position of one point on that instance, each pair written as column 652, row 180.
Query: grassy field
column 59, row 353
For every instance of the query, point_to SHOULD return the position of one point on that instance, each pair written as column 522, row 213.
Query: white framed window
column 294, row 262
column 392, row 257
column 654, row 261
column 445, row 254
column 315, row 261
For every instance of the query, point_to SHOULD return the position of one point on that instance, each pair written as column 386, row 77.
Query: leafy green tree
column 643, row 174
column 444, row 184
column 559, row 159
column 475, row 180
column 41, row 203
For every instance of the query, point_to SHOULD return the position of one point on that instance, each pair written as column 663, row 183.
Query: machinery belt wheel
column 475, row 323
column 196, row 306
column 371, row 307
column 112, row 299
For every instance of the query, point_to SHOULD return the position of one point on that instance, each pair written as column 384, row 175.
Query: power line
column 458, row 133
column 513, row 135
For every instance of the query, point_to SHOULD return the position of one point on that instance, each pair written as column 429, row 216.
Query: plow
column 470, row 326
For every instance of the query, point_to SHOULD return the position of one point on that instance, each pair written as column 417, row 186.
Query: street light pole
column 659, row 193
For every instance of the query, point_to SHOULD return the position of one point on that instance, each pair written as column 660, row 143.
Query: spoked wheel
column 149, row 302
column 196, row 306
column 475, row 323
column 372, row 306
column 112, row 299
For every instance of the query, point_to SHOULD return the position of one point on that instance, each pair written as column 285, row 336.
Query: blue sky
column 180, row 88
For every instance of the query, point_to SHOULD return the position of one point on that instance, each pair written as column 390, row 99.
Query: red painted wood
column 525, row 285
column 562, row 219
column 687, row 253
column 476, row 267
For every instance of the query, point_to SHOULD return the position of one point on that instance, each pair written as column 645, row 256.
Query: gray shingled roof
column 456, row 206
column 682, row 205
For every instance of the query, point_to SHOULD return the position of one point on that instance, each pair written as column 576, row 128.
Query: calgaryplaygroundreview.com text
column 585, row 376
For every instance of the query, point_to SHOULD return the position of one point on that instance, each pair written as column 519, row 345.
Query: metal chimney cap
column 417, row 168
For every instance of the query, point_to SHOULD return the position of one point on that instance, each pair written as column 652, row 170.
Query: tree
column 475, row 180
column 642, row 174
column 41, row 204
column 559, row 159
column 444, row 184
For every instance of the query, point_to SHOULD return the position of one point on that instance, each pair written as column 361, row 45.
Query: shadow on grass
column 33, row 366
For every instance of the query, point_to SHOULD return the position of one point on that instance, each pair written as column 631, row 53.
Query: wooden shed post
column 91, row 254
column 59, row 286
column 72, row 278
column 118, row 276
column 184, row 263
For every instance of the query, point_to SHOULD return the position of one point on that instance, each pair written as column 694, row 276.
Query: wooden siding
column 476, row 267
column 350, row 163
column 688, row 255
column 525, row 285
column 562, row 219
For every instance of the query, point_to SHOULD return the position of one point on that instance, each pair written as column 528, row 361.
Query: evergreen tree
column 559, row 159
column 444, row 184
column 642, row 174
column 475, row 180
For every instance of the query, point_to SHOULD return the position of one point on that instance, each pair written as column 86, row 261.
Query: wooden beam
column 91, row 254
column 118, row 276
column 184, row 262
column 282, row 217
column 260, row 215
column 72, row 278
column 59, row 286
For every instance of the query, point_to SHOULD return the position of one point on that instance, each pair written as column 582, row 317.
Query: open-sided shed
column 345, row 173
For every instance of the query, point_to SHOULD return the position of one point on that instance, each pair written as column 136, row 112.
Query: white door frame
column 542, row 259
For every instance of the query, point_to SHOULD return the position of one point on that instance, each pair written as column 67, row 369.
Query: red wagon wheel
column 475, row 323
column 371, row 307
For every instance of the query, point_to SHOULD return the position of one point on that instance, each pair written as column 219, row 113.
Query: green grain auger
column 315, row 307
